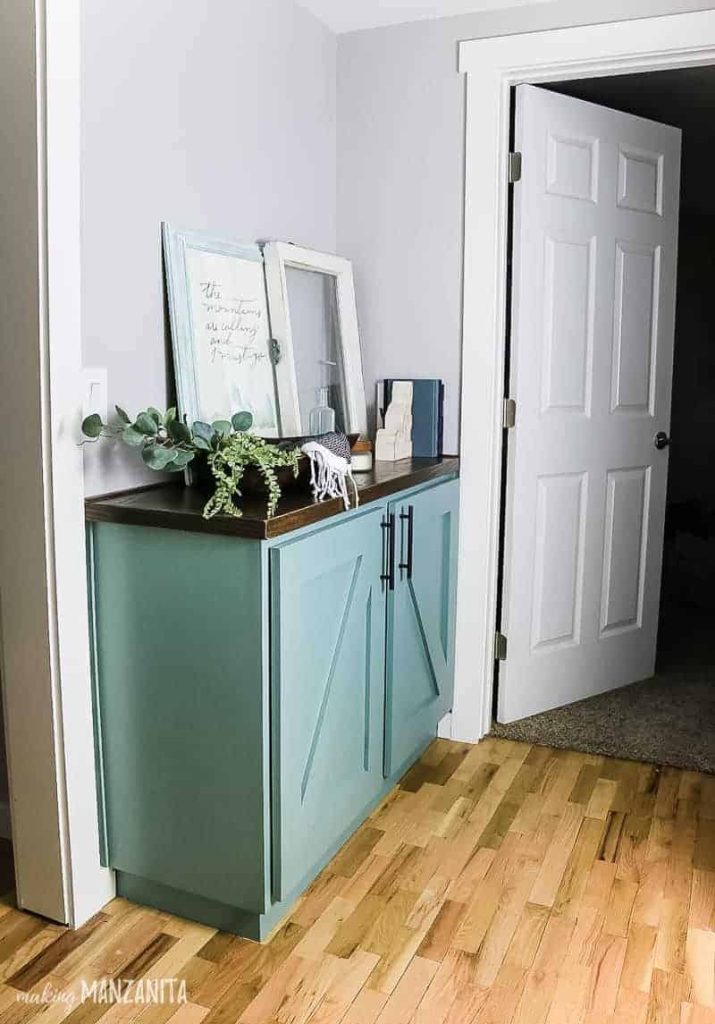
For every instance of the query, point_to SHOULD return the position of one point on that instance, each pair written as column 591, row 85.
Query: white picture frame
column 279, row 257
column 220, row 329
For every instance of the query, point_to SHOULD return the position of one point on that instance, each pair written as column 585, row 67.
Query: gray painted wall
column 400, row 181
column 217, row 115
column 224, row 116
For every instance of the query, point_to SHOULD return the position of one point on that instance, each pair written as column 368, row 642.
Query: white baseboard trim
column 444, row 729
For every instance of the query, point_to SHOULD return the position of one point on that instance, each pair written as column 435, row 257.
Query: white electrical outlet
column 94, row 391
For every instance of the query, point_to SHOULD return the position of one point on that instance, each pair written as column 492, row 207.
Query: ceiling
column 349, row 15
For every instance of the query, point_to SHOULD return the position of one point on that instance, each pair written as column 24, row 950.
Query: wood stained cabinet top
column 174, row 506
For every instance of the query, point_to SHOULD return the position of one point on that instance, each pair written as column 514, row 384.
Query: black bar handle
column 388, row 524
column 410, row 517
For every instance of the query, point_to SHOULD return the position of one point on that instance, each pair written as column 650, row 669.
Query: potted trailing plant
column 169, row 444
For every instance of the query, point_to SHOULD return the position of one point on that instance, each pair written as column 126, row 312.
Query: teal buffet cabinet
column 260, row 684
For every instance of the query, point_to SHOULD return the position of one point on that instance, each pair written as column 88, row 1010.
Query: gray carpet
column 667, row 720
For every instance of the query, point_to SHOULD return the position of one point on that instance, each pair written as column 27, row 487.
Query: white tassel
column 329, row 474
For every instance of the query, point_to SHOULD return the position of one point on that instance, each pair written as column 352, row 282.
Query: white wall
column 216, row 115
column 400, row 183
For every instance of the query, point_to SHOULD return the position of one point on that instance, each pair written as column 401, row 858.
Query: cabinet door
column 328, row 668
column 420, row 622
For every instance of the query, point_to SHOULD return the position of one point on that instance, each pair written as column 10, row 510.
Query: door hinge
column 514, row 168
column 499, row 646
column 509, row 414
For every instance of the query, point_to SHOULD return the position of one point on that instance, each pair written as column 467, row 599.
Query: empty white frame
column 280, row 258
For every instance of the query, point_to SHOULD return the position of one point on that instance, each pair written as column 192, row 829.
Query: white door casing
column 593, row 305
column 26, row 647
column 44, row 648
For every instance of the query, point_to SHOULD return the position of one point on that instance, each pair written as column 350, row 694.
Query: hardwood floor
column 499, row 883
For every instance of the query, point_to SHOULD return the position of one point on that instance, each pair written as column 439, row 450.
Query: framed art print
column 220, row 329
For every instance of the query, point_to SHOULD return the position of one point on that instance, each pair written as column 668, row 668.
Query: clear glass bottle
column 322, row 417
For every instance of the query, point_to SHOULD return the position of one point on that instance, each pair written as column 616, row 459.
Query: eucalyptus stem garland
column 170, row 444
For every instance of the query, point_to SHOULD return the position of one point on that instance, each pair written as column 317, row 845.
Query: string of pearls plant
column 229, row 462
column 169, row 444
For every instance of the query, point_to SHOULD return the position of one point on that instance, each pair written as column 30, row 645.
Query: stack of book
column 427, row 413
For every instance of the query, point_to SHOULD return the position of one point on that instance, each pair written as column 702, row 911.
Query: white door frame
column 90, row 885
column 47, row 690
column 492, row 67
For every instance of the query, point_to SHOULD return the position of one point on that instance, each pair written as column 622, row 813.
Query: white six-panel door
column 593, row 301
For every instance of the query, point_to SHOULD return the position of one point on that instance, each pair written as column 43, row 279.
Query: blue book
column 427, row 413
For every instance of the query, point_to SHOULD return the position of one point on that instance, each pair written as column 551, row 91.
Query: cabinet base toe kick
column 196, row 908
column 247, row 923
column 256, row 699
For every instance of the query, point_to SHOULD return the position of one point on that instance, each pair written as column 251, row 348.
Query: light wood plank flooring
column 498, row 883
